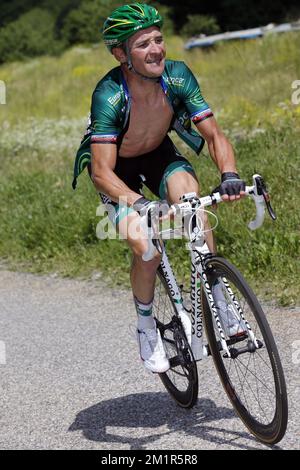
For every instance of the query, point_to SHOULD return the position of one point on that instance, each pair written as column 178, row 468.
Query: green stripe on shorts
column 169, row 171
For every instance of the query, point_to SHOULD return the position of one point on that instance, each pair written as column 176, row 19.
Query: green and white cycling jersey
column 111, row 103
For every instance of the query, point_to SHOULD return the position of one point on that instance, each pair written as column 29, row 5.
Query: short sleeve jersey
column 110, row 110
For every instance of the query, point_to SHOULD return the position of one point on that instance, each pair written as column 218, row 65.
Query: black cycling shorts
column 152, row 169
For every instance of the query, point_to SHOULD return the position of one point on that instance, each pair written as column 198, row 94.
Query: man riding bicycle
column 133, row 109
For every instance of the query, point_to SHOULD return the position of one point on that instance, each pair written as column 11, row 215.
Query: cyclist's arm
column 104, row 157
column 219, row 147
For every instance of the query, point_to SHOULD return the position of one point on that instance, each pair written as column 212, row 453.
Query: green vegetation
column 197, row 24
column 52, row 28
column 29, row 28
column 29, row 36
column 47, row 227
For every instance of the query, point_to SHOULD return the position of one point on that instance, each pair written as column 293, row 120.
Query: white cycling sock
column 145, row 318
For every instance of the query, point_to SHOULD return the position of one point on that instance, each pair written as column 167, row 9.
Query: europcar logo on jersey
column 114, row 99
column 2, row 92
column 177, row 81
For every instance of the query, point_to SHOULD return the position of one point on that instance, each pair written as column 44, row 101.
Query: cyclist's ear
column 120, row 54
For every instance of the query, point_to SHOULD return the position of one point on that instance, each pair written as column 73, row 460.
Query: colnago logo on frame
column 2, row 353
column 196, row 310
column 2, row 92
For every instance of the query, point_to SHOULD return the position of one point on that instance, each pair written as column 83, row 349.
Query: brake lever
column 262, row 189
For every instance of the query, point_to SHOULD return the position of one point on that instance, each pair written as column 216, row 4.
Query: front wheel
column 252, row 374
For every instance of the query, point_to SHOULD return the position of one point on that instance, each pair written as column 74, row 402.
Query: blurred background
column 51, row 58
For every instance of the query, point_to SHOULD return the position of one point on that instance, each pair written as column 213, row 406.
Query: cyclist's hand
column 160, row 209
column 232, row 187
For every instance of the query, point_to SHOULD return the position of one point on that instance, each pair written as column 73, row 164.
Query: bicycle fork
column 198, row 276
column 198, row 252
column 200, row 350
column 240, row 312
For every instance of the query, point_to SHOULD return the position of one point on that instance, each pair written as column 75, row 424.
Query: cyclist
column 133, row 109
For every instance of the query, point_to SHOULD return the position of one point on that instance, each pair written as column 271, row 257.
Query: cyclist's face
column 148, row 52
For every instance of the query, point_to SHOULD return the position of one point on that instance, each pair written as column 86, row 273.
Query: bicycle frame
column 199, row 252
column 254, row 383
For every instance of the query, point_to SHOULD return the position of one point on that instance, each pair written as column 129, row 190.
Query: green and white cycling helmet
column 127, row 20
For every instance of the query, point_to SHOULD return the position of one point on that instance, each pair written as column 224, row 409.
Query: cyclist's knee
column 140, row 248
column 181, row 183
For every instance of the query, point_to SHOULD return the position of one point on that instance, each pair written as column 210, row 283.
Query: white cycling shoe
column 152, row 350
column 232, row 324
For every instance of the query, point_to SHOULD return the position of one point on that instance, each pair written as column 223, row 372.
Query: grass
column 46, row 227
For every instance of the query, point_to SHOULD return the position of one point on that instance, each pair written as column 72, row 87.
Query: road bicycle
column 248, row 362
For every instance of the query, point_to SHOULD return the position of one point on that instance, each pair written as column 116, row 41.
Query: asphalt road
column 71, row 377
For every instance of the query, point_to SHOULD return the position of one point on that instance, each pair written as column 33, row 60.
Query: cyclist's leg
column 182, row 182
column 177, row 183
column 143, row 274
column 179, row 178
column 126, row 221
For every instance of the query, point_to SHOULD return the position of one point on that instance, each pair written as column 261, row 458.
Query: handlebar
column 191, row 203
column 258, row 192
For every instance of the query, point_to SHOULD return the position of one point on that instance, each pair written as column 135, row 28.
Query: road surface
column 71, row 377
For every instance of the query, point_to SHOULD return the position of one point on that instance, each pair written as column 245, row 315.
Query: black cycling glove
column 158, row 208
column 231, row 184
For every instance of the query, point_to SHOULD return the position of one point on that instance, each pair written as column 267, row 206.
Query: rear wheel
column 253, row 376
column 181, row 380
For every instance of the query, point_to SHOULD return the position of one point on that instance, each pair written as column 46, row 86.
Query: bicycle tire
column 268, row 426
column 181, row 380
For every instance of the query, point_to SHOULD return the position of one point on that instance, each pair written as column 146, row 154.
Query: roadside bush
column 31, row 35
column 200, row 24
column 84, row 24
column 51, row 28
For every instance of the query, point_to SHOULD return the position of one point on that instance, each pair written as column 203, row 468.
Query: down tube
column 171, row 281
column 196, row 314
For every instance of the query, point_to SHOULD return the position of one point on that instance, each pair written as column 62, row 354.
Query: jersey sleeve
column 191, row 95
column 105, row 122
